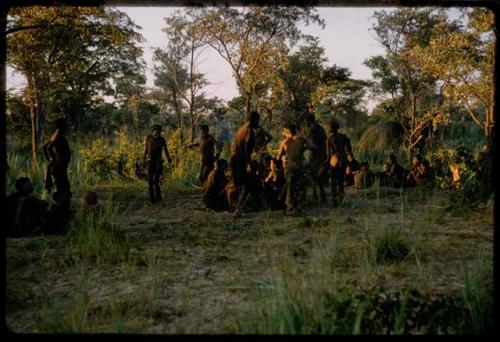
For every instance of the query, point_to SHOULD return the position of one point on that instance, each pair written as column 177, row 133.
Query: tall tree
column 181, row 61
column 167, row 89
column 68, row 50
column 463, row 60
column 399, row 32
column 301, row 77
column 254, row 41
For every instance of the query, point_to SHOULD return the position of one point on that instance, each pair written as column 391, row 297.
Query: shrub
column 388, row 245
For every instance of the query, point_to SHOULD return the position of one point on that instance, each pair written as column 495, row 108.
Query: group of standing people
column 274, row 182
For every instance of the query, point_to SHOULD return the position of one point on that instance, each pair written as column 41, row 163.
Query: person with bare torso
column 318, row 166
column 241, row 156
column 154, row 147
column 58, row 154
column 293, row 148
column 339, row 145
column 207, row 145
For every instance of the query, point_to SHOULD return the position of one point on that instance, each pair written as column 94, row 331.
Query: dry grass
column 193, row 271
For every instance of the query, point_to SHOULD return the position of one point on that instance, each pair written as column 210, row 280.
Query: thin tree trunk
column 247, row 105
column 192, row 121
column 179, row 116
column 34, row 145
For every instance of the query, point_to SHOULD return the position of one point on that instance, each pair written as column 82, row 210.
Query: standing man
column 207, row 145
column 58, row 154
column 293, row 147
column 241, row 157
column 155, row 145
column 318, row 169
column 339, row 145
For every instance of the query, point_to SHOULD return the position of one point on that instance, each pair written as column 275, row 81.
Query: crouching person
column 89, row 205
column 363, row 178
column 26, row 214
column 214, row 188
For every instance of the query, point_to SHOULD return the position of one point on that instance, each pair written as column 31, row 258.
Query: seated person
column 353, row 163
column 382, row 175
column 255, row 186
column 26, row 214
column 88, row 205
column 413, row 177
column 363, row 178
column 265, row 168
column 396, row 174
column 214, row 188
column 349, row 176
column 232, row 194
column 274, row 186
column 427, row 176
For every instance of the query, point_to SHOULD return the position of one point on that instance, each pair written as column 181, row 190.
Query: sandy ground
column 195, row 271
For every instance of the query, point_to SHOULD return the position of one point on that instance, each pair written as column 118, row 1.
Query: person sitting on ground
column 413, row 177
column 26, row 214
column 382, row 175
column 396, row 173
column 255, row 187
column 352, row 162
column 232, row 193
column 89, row 205
column 214, row 188
column 265, row 168
column 274, row 186
column 426, row 174
column 349, row 176
column 363, row 178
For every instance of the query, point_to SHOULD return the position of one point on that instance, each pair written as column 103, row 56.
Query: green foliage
column 122, row 159
column 477, row 294
column 69, row 55
column 376, row 311
column 254, row 41
column 414, row 102
column 390, row 245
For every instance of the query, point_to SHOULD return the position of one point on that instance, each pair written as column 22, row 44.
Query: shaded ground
column 194, row 271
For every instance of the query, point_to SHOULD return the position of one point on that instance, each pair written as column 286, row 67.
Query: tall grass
column 477, row 294
column 97, row 238
column 319, row 298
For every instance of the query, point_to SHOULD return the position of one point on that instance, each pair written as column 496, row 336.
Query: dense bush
column 123, row 158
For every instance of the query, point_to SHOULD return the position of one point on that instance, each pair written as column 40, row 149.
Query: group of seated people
column 266, row 185
column 27, row 215
column 392, row 174
column 267, row 188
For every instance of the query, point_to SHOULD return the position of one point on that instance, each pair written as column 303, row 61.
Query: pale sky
column 346, row 39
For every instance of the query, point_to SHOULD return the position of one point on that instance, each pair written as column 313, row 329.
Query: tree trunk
column 179, row 116
column 34, row 144
column 40, row 108
column 247, row 105
column 270, row 117
column 193, row 122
